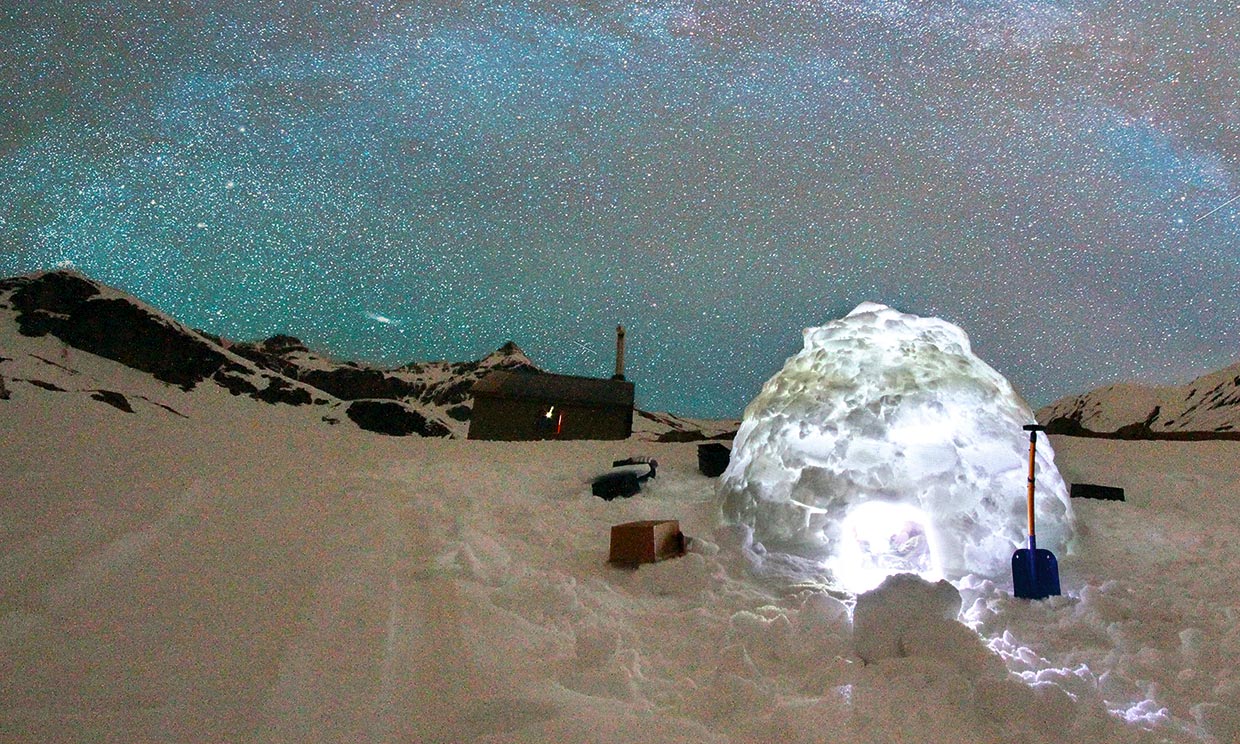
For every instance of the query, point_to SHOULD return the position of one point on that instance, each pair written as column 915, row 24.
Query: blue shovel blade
column 1035, row 574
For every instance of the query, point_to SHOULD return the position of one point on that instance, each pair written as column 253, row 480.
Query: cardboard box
column 646, row 541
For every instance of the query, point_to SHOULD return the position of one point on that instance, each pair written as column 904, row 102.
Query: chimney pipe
column 619, row 353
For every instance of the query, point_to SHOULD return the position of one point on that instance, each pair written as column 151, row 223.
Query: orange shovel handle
column 1033, row 445
column 1033, row 430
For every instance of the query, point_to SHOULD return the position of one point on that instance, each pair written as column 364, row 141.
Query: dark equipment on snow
column 713, row 459
column 1092, row 491
column 623, row 483
column 1035, row 572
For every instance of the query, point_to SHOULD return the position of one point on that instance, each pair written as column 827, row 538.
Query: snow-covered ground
column 237, row 577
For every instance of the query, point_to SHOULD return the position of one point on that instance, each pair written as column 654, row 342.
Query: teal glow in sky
column 397, row 181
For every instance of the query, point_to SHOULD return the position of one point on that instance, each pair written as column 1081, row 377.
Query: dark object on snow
column 615, row 486
column 522, row 406
column 624, row 483
column 1035, row 572
column 114, row 399
column 1091, row 491
column 713, row 459
column 392, row 418
column 646, row 541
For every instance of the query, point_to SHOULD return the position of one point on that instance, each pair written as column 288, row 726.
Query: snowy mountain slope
column 55, row 325
column 62, row 335
column 441, row 390
column 244, row 577
column 87, row 316
column 1206, row 408
column 668, row 427
column 63, row 321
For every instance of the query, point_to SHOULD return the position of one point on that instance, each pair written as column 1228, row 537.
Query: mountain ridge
column 51, row 312
column 1206, row 408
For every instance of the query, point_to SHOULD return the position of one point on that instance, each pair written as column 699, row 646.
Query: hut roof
column 553, row 388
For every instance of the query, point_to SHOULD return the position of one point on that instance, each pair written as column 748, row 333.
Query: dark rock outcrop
column 393, row 418
column 114, row 399
column 1072, row 428
column 352, row 383
column 283, row 391
column 69, row 308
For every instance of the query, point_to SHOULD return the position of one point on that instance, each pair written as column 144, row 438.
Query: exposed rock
column 167, row 408
column 56, row 292
column 692, row 436
column 277, row 390
column 119, row 330
column 283, row 391
column 352, row 383
column 236, row 385
column 282, row 344
column 391, row 417
column 69, row 307
column 445, row 385
column 114, row 399
column 668, row 427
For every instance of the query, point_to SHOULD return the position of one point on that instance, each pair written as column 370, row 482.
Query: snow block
column 646, row 541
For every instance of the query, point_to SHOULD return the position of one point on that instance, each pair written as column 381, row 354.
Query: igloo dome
column 887, row 446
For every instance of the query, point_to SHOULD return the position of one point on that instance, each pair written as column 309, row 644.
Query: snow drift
column 886, row 445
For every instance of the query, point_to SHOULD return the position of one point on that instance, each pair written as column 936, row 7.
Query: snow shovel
column 1035, row 572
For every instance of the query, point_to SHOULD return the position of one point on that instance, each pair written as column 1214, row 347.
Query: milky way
column 406, row 181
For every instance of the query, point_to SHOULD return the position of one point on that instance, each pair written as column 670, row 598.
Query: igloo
column 886, row 446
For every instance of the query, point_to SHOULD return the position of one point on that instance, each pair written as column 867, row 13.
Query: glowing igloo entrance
column 886, row 446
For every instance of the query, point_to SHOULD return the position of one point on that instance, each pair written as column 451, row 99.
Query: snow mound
column 887, row 446
column 909, row 616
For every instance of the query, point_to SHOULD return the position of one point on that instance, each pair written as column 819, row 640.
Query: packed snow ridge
column 886, row 445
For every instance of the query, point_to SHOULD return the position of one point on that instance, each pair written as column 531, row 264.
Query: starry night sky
column 398, row 181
